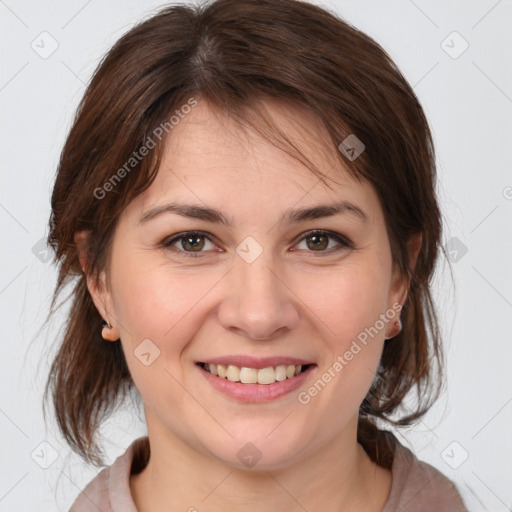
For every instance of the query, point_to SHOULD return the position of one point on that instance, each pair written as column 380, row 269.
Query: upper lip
column 256, row 362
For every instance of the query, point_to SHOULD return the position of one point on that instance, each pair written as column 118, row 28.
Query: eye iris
column 322, row 244
column 192, row 240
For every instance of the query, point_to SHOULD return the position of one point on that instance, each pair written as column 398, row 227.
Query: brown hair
column 232, row 54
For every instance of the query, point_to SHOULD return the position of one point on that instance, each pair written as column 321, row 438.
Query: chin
column 259, row 451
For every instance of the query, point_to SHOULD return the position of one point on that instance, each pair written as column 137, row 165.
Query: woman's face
column 257, row 288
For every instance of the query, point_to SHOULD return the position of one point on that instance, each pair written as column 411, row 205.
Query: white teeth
column 281, row 372
column 266, row 375
column 246, row 375
column 233, row 373
column 222, row 370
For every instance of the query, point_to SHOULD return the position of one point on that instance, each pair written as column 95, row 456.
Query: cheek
column 154, row 308
column 165, row 306
column 348, row 301
column 155, row 301
column 348, row 306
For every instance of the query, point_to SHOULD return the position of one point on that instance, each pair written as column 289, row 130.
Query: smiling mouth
column 245, row 375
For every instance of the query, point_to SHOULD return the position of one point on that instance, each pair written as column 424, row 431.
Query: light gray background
column 468, row 101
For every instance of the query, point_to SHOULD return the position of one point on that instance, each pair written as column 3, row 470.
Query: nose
column 257, row 302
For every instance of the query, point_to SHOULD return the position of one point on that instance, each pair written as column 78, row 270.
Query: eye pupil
column 318, row 243
column 192, row 241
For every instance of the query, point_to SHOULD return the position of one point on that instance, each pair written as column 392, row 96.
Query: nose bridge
column 256, row 283
column 258, row 278
column 257, row 301
column 254, row 262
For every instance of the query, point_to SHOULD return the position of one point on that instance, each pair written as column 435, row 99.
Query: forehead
column 206, row 132
column 210, row 158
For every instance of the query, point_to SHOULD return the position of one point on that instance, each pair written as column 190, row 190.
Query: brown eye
column 320, row 242
column 194, row 243
column 317, row 241
column 190, row 243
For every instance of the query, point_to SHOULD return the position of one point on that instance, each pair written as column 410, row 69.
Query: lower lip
column 254, row 393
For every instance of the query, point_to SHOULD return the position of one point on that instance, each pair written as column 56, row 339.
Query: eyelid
column 343, row 241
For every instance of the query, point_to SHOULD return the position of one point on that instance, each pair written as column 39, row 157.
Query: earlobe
column 97, row 290
column 102, row 300
column 401, row 284
column 109, row 333
column 396, row 328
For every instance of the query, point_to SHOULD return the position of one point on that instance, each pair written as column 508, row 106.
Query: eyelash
column 343, row 241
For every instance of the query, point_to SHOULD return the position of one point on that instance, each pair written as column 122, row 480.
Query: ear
column 82, row 241
column 99, row 291
column 414, row 246
column 400, row 286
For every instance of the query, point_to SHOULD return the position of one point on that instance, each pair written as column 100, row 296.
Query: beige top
column 416, row 487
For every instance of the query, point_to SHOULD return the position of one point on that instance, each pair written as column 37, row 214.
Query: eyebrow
column 291, row 216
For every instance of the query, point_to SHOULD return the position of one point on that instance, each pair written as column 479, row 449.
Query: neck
column 340, row 476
